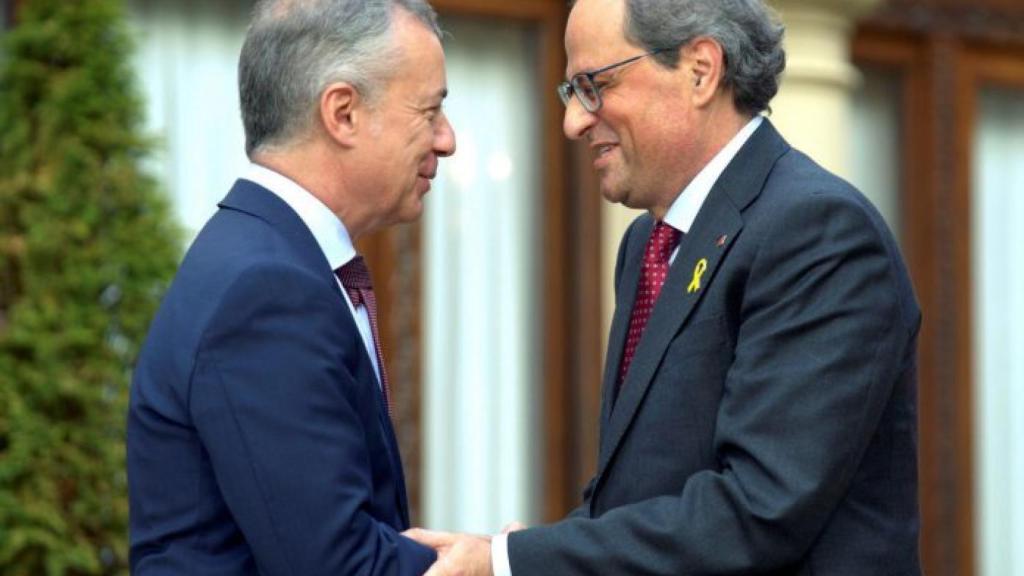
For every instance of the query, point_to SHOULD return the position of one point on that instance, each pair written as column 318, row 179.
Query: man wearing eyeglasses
column 759, row 394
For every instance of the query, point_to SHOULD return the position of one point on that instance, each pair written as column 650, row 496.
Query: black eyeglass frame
column 575, row 85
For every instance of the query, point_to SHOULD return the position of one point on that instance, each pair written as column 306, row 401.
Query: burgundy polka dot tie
column 355, row 277
column 652, row 277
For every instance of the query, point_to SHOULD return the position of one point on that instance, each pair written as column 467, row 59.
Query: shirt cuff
column 499, row 555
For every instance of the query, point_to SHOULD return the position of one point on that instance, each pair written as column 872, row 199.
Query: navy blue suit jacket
column 767, row 422
column 258, row 440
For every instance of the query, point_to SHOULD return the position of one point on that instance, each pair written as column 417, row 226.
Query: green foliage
column 86, row 249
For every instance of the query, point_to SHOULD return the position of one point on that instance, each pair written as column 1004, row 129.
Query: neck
column 718, row 125
column 318, row 171
column 722, row 123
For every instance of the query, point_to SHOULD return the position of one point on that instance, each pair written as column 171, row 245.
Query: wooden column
column 943, row 51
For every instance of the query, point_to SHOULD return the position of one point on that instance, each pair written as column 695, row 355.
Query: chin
column 412, row 212
column 614, row 194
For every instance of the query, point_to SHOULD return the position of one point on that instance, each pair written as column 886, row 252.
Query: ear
column 705, row 63
column 341, row 112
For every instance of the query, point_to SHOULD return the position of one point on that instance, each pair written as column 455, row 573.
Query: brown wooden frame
column 11, row 12
column 926, row 206
column 569, row 289
column 979, row 65
column 943, row 62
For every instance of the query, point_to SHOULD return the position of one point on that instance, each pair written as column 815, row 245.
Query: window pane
column 875, row 166
column 998, row 261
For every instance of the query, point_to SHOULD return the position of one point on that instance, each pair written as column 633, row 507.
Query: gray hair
column 296, row 48
column 749, row 33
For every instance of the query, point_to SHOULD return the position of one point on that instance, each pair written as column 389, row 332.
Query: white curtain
column 876, row 146
column 186, row 58
column 482, row 406
column 998, row 282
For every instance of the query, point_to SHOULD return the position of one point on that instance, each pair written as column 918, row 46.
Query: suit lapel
column 719, row 217
column 395, row 459
column 674, row 306
column 364, row 373
column 636, row 243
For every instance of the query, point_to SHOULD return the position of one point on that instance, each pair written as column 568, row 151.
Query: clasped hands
column 459, row 554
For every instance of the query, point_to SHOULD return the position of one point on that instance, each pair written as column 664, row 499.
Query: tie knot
column 354, row 275
column 663, row 240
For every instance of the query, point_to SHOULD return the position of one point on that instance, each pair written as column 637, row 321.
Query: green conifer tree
column 87, row 247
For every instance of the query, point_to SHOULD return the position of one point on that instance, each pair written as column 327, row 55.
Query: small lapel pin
column 722, row 239
column 698, row 272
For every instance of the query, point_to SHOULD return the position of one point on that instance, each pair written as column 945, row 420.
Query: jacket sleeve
column 824, row 333
column 278, row 414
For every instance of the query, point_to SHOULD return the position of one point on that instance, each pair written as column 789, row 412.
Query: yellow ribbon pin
column 698, row 272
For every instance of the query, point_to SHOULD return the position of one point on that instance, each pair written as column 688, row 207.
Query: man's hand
column 457, row 554
column 513, row 527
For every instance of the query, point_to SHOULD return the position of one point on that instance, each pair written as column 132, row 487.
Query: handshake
column 461, row 554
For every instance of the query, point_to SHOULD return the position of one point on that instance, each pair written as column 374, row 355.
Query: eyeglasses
column 585, row 88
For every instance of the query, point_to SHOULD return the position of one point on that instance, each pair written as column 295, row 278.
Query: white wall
column 998, row 281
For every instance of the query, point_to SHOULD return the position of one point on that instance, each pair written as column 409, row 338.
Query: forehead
column 422, row 57
column 594, row 34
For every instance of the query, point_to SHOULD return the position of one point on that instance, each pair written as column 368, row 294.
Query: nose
column 444, row 137
column 577, row 121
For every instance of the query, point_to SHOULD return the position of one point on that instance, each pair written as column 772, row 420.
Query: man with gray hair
column 759, row 413
column 259, row 436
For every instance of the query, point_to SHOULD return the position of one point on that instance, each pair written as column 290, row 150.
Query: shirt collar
column 684, row 209
column 325, row 226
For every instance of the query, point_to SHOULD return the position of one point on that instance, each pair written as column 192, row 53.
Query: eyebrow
column 435, row 100
column 584, row 71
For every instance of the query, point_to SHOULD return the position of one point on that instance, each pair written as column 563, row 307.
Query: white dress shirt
column 680, row 216
column 329, row 232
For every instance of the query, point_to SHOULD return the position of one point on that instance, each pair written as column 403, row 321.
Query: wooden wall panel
column 993, row 20
column 926, row 215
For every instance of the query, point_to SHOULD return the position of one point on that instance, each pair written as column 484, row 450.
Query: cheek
column 656, row 129
column 417, row 132
column 426, row 138
column 375, row 128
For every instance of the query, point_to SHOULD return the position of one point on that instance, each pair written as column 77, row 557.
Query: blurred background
column 495, row 306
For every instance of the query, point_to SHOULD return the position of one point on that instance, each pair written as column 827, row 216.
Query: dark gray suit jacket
column 767, row 423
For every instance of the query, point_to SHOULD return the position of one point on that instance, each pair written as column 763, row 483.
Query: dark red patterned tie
column 355, row 277
column 652, row 277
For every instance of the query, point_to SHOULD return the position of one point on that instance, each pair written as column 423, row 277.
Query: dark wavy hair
column 749, row 33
